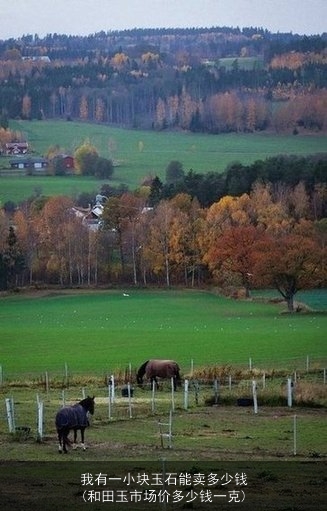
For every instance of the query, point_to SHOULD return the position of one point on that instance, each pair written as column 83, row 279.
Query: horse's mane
column 141, row 370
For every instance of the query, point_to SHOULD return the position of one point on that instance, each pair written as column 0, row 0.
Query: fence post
column 172, row 394
column 10, row 414
column 153, row 404
column 109, row 400
column 289, row 392
column 129, row 400
column 66, row 374
column 196, row 391
column 47, row 382
column 39, row 419
column 112, row 379
column 216, row 387
column 185, row 394
column 254, row 394
column 294, row 435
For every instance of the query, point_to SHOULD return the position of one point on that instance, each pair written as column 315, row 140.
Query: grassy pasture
column 95, row 332
column 143, row 153
column 98, row 332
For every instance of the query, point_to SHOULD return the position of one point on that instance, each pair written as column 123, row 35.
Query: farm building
column 35, row 163
column 16, row 148
column 91, row 216
column 66, row 161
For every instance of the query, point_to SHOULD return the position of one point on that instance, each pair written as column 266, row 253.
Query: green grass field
column 143, row 153
column 97, row 332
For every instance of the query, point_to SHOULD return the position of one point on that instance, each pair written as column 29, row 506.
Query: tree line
column 268, row 236
column 209, row 80
column 282, row 173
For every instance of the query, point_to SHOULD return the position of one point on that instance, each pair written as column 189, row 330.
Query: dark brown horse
column 159, row 368
column 73, row 418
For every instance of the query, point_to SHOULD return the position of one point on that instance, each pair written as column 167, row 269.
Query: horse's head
column 88, row 404
column 141, row 372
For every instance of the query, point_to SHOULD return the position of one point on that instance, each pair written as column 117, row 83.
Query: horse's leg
column 75, row 439
column 60, row 441
column 156, row 382
column 82, row 439
column 65, row 440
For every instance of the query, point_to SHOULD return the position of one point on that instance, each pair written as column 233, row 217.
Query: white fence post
column 254, row 393
column 289, row 392
column 112, row 379
column 185, row 394
column 109, row 400
column 10, row 414
column 39, row 419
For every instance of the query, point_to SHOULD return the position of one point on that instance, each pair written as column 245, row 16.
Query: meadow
column 97, row 332
column 139, row 154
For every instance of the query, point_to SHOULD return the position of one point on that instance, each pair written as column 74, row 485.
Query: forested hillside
column 256, row 225
column 207, row 80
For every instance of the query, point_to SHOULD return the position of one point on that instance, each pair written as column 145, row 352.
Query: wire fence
column 69, row 374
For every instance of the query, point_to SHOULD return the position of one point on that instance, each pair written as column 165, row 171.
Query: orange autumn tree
column 235, row 254
column 289, row 262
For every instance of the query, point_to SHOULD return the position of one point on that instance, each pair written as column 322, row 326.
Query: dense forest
column 206, row 80
column 251, row 226
column 271, row 231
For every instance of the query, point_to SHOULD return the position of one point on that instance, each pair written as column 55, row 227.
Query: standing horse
column 73, row 418
column 158, row 368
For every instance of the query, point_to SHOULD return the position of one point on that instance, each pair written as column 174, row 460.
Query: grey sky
column 83, row 17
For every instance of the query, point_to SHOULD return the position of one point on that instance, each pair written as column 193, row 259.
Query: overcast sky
column 83, row 17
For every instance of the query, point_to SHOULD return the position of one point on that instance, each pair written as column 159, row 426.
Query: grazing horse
column 158, row 368
column 73, row 418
